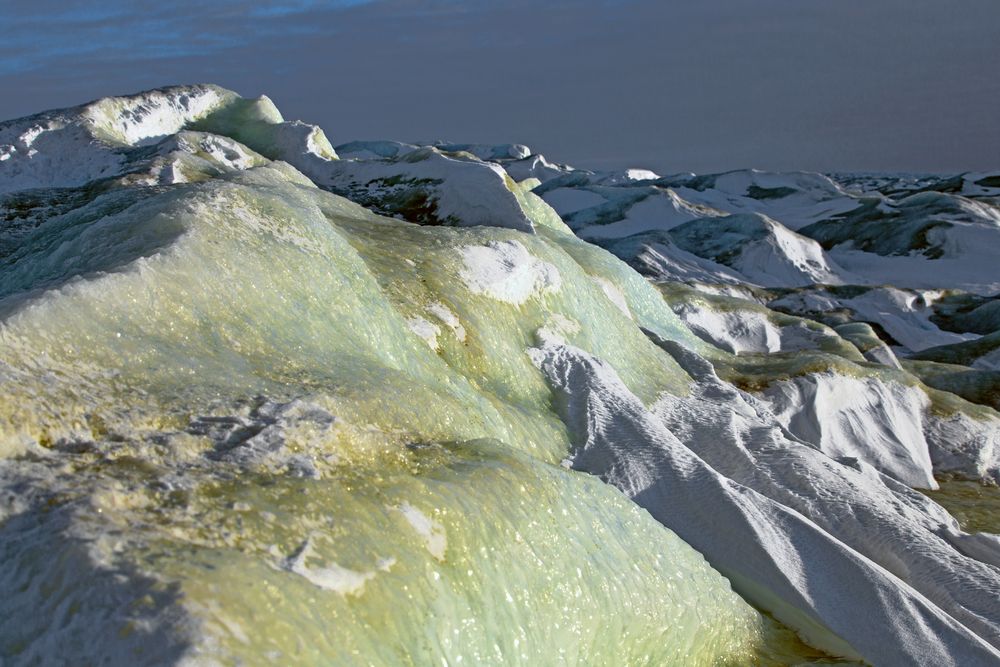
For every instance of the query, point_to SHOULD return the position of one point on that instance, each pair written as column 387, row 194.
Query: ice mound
column 760, row 249
column 74, row 146
column 429, row 187
column 253, row 331
column 106, row 138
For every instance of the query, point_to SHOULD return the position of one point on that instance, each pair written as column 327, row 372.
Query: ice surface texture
column 265, row 400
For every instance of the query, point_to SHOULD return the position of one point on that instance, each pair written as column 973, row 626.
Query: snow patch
column 428, row 331
column 614, row 295
column 450, row 319
column 506, row 271
column 432, row 532
column 330, row 577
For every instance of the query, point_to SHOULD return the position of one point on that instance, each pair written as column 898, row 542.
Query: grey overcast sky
column 704, row 85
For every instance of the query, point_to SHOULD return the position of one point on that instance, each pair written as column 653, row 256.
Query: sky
column 703, row 85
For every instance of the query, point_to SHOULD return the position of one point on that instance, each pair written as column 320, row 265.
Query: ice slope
column 463, row 552
column 923, row 233
column 819, row 389
column 982, row 353
column 662, row 228
column 622, row 211
column 977, row 385
column 969, row 184
column 967, row 313
column 655, row 254
column 739, row 326
column 933, row 224
column 74, row 146
column 487, row 151
column 374, row 150
column 868, row 343
column 905, row 316
column 925, row 240
column 878, row 422
column 221, row 437
column 535, row 166
column 889, row 184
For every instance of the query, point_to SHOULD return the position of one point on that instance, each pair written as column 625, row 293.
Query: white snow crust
column 506, row 271
column 876, row 422
column 464, row 192
column 785, row 517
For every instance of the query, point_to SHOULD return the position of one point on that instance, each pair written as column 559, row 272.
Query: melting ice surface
column 266, row 403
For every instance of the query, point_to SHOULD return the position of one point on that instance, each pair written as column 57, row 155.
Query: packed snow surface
column 255, row 388
column 506, row 271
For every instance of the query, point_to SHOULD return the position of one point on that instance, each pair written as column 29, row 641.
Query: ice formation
column 268, row 401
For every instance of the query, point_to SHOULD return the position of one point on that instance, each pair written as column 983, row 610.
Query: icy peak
column 146, row 117
column 101, row 139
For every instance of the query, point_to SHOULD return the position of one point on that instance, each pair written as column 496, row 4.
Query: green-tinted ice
column 232, row 424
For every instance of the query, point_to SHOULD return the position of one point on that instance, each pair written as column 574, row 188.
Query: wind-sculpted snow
column 738, row 326
column 916, row 236
column 264, row 403
column 905, row 316
column 868, row 419
column 428, row 187
column 761, row 250
column 713, row 459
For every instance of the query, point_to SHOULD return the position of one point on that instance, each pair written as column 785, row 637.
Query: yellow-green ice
column 246, row 421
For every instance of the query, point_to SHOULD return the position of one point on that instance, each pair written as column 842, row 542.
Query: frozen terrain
column 267, row 400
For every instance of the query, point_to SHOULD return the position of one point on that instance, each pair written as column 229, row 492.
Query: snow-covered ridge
column 797, row 516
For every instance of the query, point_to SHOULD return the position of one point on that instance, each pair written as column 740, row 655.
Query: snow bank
column 748, row 330
column 880, row 423
column 850, row 559
column 760, row 249
column 428, row 187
